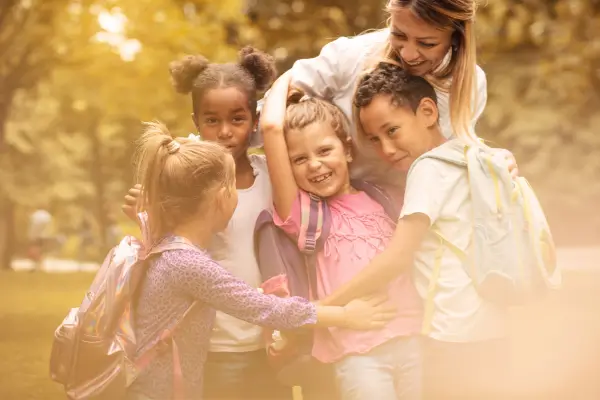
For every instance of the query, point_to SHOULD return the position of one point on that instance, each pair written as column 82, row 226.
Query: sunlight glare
column 113, row 33
column 113, row 21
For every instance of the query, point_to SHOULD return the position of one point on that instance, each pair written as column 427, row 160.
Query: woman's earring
column 454, row 43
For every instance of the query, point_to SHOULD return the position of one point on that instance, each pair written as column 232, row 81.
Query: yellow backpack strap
column 457, row 252
column 429, row 307
column 496, row 181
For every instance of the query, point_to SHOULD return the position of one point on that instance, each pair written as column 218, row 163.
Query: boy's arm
column 427, row 189
column 394, row 260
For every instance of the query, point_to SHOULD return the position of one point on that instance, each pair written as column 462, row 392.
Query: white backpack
column 511, row 258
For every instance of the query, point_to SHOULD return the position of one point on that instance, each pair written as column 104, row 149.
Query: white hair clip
column 304, row 98
column 173, row 146
column 193, row 137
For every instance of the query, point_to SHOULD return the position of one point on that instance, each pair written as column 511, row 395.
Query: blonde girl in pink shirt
column 308, row 149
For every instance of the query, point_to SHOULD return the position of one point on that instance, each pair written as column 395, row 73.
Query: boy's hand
column 132, row 200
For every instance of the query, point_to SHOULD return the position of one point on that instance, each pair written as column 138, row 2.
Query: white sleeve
column 426, row 190
column 336, row 69
column 328, row 73
column 480, row 99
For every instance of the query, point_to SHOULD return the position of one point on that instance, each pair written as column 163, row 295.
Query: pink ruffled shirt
column 360, row 229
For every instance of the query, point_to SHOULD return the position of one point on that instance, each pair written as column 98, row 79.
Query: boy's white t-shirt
column 231, row 334
column 441, row 191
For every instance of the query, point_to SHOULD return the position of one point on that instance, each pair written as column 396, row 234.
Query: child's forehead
column 384, row 105
column 313, row 135
column 225, row 98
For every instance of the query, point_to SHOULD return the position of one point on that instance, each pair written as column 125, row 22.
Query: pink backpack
column 94, row 349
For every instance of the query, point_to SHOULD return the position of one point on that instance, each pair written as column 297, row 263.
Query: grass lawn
column 31, row 307
column 556, row 344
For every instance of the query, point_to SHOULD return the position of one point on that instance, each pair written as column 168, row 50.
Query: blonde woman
column 433, row 39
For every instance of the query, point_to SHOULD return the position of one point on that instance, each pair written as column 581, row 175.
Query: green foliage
column 76, row 85
column 298, row 29
column 70, row 137
column 542, row 60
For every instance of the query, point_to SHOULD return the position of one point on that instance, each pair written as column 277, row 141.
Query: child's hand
column 132, row 199
column 369, row 313
column 284, row 79
column 273, row 112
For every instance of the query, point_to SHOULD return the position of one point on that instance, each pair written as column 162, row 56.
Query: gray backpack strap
column 451, row 152
column 446, row 159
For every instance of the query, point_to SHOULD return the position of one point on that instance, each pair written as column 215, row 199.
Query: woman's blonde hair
column 458, row 15
column 178, row 175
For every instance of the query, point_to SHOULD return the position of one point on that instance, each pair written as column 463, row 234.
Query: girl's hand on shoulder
column 373, row 312
column 132, row 200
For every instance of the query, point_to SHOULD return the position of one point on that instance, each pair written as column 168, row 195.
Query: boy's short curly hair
column 388, row 79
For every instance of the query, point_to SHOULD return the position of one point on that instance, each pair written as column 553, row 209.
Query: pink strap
column 149, row 355
column 145, row 359
column 178, row 385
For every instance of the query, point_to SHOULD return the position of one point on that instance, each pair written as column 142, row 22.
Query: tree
column 112, row 74
column 26, row 56
column 298, row 29
column 542, row 58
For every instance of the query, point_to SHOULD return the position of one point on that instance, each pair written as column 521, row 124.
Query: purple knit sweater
column 174, row 280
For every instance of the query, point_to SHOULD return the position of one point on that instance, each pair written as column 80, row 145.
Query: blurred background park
column 78, row 76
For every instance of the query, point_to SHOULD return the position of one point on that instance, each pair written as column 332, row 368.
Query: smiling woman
column 419, row 47
column 438, row 39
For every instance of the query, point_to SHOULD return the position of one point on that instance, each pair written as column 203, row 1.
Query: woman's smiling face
column 420, row 46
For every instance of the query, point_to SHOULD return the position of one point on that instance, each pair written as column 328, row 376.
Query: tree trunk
column 7, row 232
column 7, row 207
column 98, row 179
